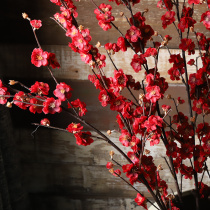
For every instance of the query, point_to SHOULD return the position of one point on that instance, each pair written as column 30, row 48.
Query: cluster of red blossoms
column 140, row 120
column 43, row 58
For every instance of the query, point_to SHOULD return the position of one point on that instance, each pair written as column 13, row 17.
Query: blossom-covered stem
column 24, row 86
column 198, row 44
column 156, row 189
column 156, row 184
column 28, row 103
column 183, row 5
column 166, row 45
column 127, row 19
column 207, row 83
column 181, row 178
column 201, row 179
column 150, row 109
column 142, row 148
column 49, row 126
column 170, row 126
column 132, row 95
column 173, row 22
column 61, row 129
column 58, row 23
column 111, row 60
column 99, row 80
column 176, row 107
column 207, row 170
column 102, row 78
column 37, row 41
column 134, row 23
column 129, row 8
column 113, row 25
column 169, row 204
column 134, row 188
column 175, row 179
column 7, row 96
column 117, row 70
column 162, row 207
column 126, row 124
column 168, row 166
column 116, row 162
column 191, row 115
column 166, row 113
column 177, row 10
column 207, row 4
column 142, row 82
column 191, row 164
column 100, row 133
column 99, row 70
column 72, row 107
column 164, row 139
column 183, row 81
column 187, row 85
column 52, row 75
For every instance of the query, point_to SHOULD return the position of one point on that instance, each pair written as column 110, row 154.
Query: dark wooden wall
column 56, row 173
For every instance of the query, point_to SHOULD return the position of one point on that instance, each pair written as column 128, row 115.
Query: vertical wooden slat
column 12, row 193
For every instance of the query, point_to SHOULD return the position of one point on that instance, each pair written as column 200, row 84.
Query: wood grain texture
column 52, row 34
column 16, row 63
column 53, row 165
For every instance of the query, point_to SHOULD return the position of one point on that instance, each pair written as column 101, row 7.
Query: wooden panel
column 51, row 202
column 51, row 33
column 55, row 164
column 17, row 64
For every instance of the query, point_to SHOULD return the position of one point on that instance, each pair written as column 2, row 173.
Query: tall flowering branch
column 142, row 121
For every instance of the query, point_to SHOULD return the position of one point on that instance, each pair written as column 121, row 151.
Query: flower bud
column 12, row 82
column 171, row 197
column 192, row 119
column 121, row 14
column 98, row 44
column 24, row 15
column 191, row 29
column 168, row 96
column 156, row 33
column 111, row 153
column 160, row 168
column 81, row 27
column 146, row 10
column 111, row 171
column 141, row 96
column 9, row 104
column 109, row 132
column 147, row 152
column 164, row 43
column 92, row 63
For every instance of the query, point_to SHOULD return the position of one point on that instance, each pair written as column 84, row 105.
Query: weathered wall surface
column 73, row 68
column 57, row 173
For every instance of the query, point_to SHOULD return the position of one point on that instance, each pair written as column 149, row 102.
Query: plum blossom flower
column 40, row 88
column 205, row 18
column 36, row 24
column 153, row 93
column 74, row 127
column 62, row 91
column 141, row 200
column 51, row 106
column 45, row 122
column 83, row 138
column 168, row 18
column 39, row 57
column 3, row 93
